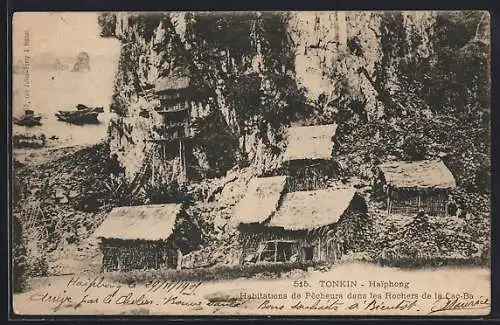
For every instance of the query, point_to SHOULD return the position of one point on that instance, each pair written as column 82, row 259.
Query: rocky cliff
column 399, row 85
column 266, row 71
column 388, row 79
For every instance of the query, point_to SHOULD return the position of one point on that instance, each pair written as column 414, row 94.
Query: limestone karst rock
column 82, row 63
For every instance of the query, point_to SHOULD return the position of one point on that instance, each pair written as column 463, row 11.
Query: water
column 51, row 91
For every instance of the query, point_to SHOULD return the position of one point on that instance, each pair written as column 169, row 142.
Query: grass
column 215, row 273
column 415, row 263
column 273, row 270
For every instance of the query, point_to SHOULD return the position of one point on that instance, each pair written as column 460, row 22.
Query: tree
column 107, row 23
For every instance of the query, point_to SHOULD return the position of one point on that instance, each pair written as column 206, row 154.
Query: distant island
column 49, row 61
column 45, row 61
column 82, row 63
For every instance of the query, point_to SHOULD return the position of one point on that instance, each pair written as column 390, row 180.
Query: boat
column 82, row 107
column 28, row 119
column 82, row 115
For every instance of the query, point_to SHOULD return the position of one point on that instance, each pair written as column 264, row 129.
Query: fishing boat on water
column 82, row 115
column 28, row 119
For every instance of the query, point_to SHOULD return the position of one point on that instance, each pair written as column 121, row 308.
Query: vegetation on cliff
column 429, row 75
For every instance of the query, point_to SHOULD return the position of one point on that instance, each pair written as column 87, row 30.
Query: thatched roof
column 173, row 82
column 312, row 209
column 310, row 142
column 143, row 222
column 261, row 199
column 418, row 174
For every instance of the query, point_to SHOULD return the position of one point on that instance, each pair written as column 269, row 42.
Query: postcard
column 292, row 163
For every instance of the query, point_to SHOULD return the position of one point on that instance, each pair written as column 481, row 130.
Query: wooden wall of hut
column 306, row 175
column 190, row 94
column 322, row 241
column 378, row 185
column 410, row 201
column 127, row 255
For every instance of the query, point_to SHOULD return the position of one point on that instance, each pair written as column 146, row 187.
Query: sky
column 64, row 33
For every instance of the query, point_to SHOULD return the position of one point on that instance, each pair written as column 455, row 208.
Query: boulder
column 73, row 194
column 34, row 191
column 81, row 231
column 59, row 193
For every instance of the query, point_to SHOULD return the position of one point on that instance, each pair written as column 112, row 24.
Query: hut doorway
column 307, row 253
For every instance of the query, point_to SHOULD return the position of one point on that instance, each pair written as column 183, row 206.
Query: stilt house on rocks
column 308, row 157
column 152, row 137
column 409, row 187
column 167, row 136
column 146, row 237
column 301, row 226
column 174, row 135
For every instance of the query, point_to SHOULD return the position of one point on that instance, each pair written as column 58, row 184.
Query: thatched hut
column 409, row 187
column 308, row 226
column 146, row 237
column 261, row 200
column 308, row 157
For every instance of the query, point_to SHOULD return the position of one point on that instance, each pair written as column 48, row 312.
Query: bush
column 223, row 272
column 172, row 192
column 414, row 148
column 436, row 261
column 18, row 257
column 37, row 267
column 483, row 178
column 445, row 241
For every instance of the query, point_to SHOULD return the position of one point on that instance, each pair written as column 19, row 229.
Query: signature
column 401, row 305
column 446, row 304
column 97, row 282
column 58, row 300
